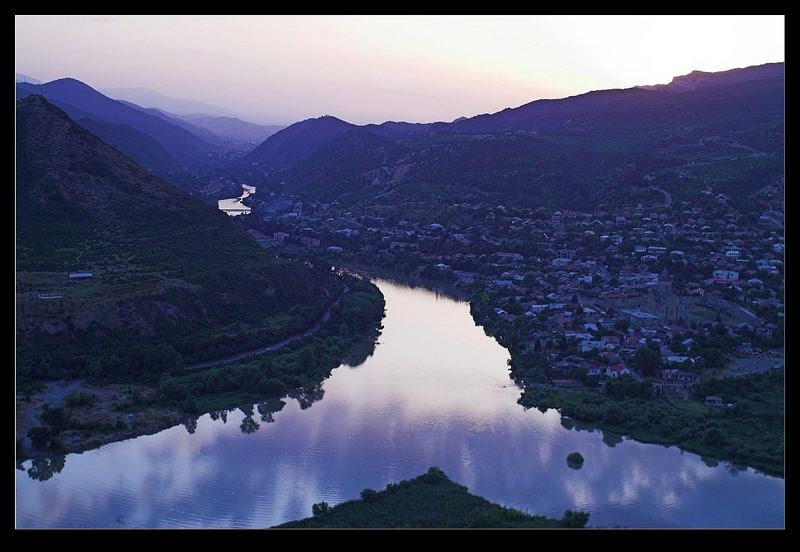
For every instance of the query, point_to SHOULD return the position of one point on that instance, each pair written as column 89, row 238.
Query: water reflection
column 435, row 391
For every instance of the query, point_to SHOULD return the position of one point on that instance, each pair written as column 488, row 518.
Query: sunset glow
column 373, row 68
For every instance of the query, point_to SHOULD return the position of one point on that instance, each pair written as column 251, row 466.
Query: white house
column 590, row 345
column 726, row 275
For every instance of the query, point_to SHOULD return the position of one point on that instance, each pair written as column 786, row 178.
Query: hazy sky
column 281, row 69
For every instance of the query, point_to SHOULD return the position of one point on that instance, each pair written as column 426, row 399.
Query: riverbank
column 751, row 433
column 114, row 412
column 430, row 500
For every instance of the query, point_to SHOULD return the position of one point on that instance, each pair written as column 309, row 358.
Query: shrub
column 40, row 436
column 320, row 509
column 80, row 398
column 575, row 458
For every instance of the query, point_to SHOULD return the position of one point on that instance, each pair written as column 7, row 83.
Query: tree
column 56, row 418
column 320, row 509
column 190, row 405
column 40, row 436
column 647, row 360
column 575, row 519
column 368, row 495
column 272, row 387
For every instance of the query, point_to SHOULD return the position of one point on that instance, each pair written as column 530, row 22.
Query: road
column 268, row 348
column 667, row 195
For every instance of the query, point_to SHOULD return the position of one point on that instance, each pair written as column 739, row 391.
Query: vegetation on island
column 427, row 501
column 575, row 460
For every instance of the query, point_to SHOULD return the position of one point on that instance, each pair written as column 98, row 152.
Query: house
column 533, row 310
column 279, row 236
column 680, row 376
column 726, row 275
column 590, row 345
column 595, row 369
column 617, row 370
column 77, row 276
column 712, row 400
column 509, row 256
column 335, row 249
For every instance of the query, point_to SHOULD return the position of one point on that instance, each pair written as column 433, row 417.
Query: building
column 726, row 275
column 77, row 276
column 617, row 370
column 711, row 400
column 662, row 301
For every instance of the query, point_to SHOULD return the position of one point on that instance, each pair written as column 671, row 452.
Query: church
column 662, row 301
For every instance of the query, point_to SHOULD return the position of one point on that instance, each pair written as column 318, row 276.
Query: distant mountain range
column 724, row 127
column 158, row 140
column 234, row 129
column 81, row 101
column 150, row 98
column 25, row 78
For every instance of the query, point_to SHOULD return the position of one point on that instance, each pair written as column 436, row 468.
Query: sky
column 370, row 69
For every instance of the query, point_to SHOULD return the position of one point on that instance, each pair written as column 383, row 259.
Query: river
column 436, row 391
column 234, row 206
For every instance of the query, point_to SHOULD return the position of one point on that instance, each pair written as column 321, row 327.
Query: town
column 671, row 293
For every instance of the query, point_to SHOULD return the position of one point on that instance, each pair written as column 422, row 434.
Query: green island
column 427, row 501
column 575, row 460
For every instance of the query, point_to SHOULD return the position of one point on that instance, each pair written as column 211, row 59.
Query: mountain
column 174, row 279
column 357, row 162
column 200, row 132
column 81, row 101
column 395, row 129
column 150, row 98
column 702, row 79
column 582, row 149
column 25, row 78
column 298, row 141
column 234, row 129
column 137, row 145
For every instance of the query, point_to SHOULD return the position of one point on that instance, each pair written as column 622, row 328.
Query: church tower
column 664, row 282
